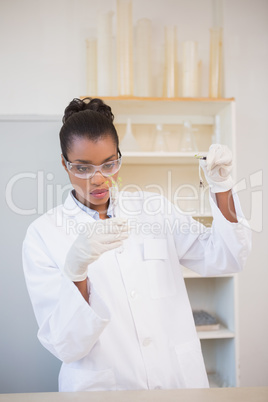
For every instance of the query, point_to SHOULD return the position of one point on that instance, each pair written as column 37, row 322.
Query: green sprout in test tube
column 114, row 191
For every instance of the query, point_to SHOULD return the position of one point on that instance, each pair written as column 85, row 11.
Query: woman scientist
column 110, row 301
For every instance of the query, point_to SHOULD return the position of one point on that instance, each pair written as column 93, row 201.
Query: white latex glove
column 217, row 168
column 99, row 236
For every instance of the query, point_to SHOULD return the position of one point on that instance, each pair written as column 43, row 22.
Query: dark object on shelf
column 204, row 321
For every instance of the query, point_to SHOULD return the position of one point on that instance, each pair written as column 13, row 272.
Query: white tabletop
column 257, row 394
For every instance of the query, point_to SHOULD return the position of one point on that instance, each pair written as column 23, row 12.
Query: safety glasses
column 87, row 171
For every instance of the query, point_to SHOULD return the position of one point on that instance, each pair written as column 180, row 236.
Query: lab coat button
column 133, row 294
column 147, row 341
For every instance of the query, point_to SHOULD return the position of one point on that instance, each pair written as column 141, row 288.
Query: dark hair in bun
column 88, row 118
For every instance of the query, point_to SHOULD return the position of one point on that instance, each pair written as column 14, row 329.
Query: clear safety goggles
column 87, row 171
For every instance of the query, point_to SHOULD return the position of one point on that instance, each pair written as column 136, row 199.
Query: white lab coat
column 138, row 331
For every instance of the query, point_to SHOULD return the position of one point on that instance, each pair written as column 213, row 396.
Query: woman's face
column 93, row 192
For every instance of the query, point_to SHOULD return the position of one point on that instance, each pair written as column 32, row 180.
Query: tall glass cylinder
column 91, row 66
column 190, row 69
column 105, row 54
column 124, row 47
column 170, row 73
column 143, row 58
column 215, row 67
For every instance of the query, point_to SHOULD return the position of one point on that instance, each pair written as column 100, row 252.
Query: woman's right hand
column 98, row 237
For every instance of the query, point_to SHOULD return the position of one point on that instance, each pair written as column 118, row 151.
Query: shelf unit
column 160, row 158
column 217, row 295
column 168, row 172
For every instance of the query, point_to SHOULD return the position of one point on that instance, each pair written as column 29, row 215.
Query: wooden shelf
column 157, row 99
column 201, row 110
column 162, row 158
column 203, row 216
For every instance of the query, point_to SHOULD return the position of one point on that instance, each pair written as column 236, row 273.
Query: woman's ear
column 63, row 163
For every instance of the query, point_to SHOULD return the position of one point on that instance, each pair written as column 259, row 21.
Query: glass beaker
column 160, row 142
column 188, row 143
column 129, row 142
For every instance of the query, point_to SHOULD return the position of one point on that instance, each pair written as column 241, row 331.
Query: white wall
column 246, row 56
column 42, row 48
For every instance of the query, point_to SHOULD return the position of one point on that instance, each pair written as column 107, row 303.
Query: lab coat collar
column 73, row 211
column 89, row 211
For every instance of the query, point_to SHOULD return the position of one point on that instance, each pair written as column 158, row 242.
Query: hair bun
column 99, row 106
column 94, row 104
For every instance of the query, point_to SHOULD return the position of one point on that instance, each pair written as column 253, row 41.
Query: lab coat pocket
column 191, row 367
column 77, row 379
column 161, row 280
column 155, row 249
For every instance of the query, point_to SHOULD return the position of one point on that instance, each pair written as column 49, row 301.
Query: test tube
column 190, row 69
column 91, row 66
column 170, row 73
column 105, row 54
column 144, row 58
column 124, row 47
column 114, row 193
column 215, row 67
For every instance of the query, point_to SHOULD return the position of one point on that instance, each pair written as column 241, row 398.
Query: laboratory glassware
column 190, row 69
column 215, row 65
column 170, row 71
column 105, row 54
column 160, row 141
column 143, row 58
column 91, row 66
column 124, row 47
column 129, row 142
column 188, row 143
